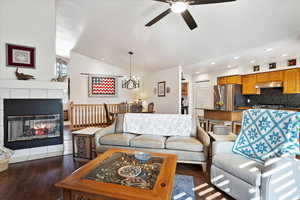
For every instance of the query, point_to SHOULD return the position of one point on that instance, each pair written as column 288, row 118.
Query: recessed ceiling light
column 269, row 49
column 213, row 63
column 236, row 57
column 102, row 58
column 252, row 61
column 229, row 66
column 197, row 72
column 284, row 55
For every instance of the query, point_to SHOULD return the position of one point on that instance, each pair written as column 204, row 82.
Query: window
column 61, row 67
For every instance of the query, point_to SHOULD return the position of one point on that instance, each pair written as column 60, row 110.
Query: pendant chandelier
column 132, row 82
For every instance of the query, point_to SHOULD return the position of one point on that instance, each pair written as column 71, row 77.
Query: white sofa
column 245, row 179
column 156, row 133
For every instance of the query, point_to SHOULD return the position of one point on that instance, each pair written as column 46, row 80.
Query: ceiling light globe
column 179, row 7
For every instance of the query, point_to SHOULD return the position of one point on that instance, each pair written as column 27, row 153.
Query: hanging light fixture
column 132, row 82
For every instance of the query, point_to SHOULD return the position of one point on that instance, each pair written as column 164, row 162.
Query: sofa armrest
column 280, row 177
column 107, row 130
column 202, row 135
column 222, row 147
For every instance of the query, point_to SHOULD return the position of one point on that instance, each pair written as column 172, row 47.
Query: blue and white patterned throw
column 267, row 134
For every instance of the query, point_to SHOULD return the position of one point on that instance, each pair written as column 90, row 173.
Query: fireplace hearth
column 30, row 123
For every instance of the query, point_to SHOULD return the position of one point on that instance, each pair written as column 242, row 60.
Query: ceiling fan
column 180, row 7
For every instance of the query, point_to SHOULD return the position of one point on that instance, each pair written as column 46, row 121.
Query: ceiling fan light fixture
column 179, row 7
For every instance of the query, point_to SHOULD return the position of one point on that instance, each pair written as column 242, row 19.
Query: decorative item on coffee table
column 84, row 143
column 117, row 174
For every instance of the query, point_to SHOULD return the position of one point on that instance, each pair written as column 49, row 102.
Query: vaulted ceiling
column 108, row 29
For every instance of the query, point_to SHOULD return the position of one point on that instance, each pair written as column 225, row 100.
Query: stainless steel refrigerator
column 228, row 97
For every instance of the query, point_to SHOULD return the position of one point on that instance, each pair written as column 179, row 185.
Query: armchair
column 245, row 179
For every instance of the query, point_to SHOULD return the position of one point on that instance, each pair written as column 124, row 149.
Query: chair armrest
column 107, row 130
column 202, row 135
column 222, row 147
column 280, row 177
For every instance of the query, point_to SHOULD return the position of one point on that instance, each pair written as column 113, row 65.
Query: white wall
column 29, row 23
column 203, row 92
column 79, row 83
column 170, row 104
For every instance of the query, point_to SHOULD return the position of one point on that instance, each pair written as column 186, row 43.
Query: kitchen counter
column 283, row 108
column 214, row 114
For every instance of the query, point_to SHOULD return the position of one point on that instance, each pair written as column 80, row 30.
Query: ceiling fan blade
column 189, row 20
column 199, row 2
column 159, row 17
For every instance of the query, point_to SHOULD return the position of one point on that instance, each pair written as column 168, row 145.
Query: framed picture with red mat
column 20, row 56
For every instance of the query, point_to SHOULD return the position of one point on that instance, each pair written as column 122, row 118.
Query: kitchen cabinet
column 276, row 76
column 291, row 81
column 236, row 79
column 269, row 76
column 262, row 77
column 222, row 80
column 184, row 89
column 249, row 82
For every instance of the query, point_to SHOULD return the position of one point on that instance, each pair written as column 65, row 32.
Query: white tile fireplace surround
column 15, row 89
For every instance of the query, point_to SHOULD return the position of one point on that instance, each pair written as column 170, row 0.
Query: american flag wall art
column 102, row 86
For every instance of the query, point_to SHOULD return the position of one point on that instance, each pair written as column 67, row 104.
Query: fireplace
column 30, row 123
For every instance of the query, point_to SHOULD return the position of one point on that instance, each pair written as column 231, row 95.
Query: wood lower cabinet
column 291, row 81
column 249, row 82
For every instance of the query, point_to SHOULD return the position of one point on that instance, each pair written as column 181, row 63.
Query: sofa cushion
column 149, row 141
column 121, row 139
column 184, row 143
column 119, row 123
column 240, row 167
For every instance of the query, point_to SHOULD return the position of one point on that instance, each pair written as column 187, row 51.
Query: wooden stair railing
column 90, row 115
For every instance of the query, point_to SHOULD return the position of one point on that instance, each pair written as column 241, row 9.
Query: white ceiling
column 108, row 29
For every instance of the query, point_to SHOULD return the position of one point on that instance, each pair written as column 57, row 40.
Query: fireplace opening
column 32, row 123
column 33, row 127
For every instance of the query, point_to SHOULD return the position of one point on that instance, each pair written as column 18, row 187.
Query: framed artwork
column 20, row 56
column 101, row 86
column 256, row 68
column 272, row 65
column 292, row 62
column 161, row 89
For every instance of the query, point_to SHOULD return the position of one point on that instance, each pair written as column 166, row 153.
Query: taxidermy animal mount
column 21, row 76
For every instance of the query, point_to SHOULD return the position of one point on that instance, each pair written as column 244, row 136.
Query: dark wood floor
column 33, row 180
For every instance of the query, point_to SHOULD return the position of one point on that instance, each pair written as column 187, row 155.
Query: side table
column 84, row 143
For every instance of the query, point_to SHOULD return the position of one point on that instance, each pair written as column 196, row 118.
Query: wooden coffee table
column 100, row 179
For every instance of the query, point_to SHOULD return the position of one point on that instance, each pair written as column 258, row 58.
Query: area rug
column 183, row 188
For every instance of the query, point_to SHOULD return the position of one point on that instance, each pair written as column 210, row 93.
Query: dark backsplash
column 273, row 96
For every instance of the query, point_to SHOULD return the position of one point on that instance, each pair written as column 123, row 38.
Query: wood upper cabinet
column 249, row 82
column 236, row 79
column 276, row 76
column 222, row 80
column 185, row 89
column 262, row 77
column 291, row 81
